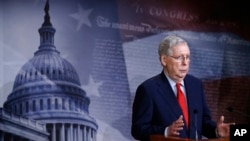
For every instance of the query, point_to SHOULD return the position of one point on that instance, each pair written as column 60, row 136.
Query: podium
column 162, row 138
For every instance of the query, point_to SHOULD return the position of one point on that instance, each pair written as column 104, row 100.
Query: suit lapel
column 168, row 95
column 192, row 102
column 191, row 94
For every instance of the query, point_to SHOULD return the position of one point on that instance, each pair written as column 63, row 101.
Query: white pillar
column 89, row 134
column 53, row 132
column 85, row 133
column 79, row 133
column 71, row 132
column 94, row 135
column 68, row 134
column 62, row 133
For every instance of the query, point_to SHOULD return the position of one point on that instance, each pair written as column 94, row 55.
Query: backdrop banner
column 72, row 67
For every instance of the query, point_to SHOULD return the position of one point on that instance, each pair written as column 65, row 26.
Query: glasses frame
column 181, row 58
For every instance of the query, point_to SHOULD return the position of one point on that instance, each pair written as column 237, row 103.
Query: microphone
column 195, row 124
column 230, row 109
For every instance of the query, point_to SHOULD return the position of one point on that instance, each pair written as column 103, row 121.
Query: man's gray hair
column 167, row 43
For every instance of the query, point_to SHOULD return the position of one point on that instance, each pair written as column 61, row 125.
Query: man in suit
column 156, row 109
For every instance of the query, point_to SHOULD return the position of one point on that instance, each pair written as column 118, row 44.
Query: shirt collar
column 172, row 82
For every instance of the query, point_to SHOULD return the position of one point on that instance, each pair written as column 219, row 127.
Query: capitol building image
column 47, row 102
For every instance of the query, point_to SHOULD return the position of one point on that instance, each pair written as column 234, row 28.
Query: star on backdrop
column 92, row 87
column 82, row 17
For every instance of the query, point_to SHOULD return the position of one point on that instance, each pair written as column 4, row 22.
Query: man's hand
column 176, row 127
column 223, row 129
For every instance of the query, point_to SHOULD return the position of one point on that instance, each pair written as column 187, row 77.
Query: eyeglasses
column 181, row 58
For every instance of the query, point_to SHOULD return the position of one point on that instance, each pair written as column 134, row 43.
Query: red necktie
column 182, row 102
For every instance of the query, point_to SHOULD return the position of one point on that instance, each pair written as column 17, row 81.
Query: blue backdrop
column 113, row 47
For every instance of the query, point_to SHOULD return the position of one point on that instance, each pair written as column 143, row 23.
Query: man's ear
column 163, row 59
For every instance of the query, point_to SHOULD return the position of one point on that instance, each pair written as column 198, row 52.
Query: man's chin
column 181, row 76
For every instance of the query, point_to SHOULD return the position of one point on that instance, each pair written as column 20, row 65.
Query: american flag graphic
column 113, row 47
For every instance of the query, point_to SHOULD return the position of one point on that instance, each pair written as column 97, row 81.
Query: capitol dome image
column 47, row 102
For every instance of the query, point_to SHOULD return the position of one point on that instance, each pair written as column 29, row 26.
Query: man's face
column 176, row 65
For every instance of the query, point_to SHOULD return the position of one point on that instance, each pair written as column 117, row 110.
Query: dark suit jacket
column 155, row 107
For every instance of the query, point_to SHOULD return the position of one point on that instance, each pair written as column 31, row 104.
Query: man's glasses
column 181, row 58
